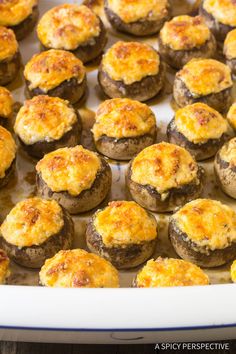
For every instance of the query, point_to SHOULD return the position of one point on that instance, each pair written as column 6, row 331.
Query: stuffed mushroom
column 6, row 106
column 198, row 128
column 8, row 156
column 225, row 168
column 184, row 38
column 231, row 116
column 10, row 59
column 45, row 123
column 123, row 127
column 4, row 267
column 131, row 70
column 219, row 15
column 19, row 16
column 77, row 178
column 123, row 233
column 164, row 177
column 34, row 230
column 74, row 28
column 140, row 18
column 56, row 73
column 204, row 80
column 204, row 232
column 166, row 272
column 229, row 50
column 78, row 269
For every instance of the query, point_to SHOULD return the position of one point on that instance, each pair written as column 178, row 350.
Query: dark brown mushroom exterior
column 143, row 26
column 204, row 252
column 225, row 168
column 173, row 197
column 137, row 72
column 204, row 80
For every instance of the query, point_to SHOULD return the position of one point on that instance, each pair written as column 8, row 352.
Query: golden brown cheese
column 123, row 118
column 68, row 26
column 185, row 33
column 13, row 12
column 78, row 269
column 8, row 43
column 132, row 10
column 4, row 267
column 7, row 150
column 230, row 45
column 228, row 152
column 199, row 123
column 205, row 76
column 231, row 116
column 49, row 69
column 224, row 11
column 130, row 62
column 32, row 222
column 125, row 223
column 207, row 223
column 44, row 118
column 233, row 272
column 164, row 166
column 6, row 103
column 69, row 169
column 165, row 272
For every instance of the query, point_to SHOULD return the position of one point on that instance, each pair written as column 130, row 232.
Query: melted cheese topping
column 199, row 123
column 205, row 76
column 69, row 169
column 228, row 152
column 185, row 32
column 165, row 272
column 130, row 62
column 68, row 26
column 8, row 43
column 233, row 272
column 231, row 116
column 32, row 222
column 132, row 10
column 164, row 166
column 4, row 267
column 7, row 150
column 6, row 103
column 230, row 45
column 44, row 118
column 78, row 269
column 223, row 11
column 49, row 69
column 208, row 223
column 125, row 223
column 123, row 118
column 13, row 12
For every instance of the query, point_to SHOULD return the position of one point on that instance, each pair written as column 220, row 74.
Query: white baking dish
column 30, row 313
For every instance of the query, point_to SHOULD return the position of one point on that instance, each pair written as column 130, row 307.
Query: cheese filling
column 4, row 267
column 44, row 118
column 123, row 118
column 78, row 269
column 13, row 12
column 185, row 33
column 205, row 76
column 230, row 45
column 68, row 26
column 6, row 103
column 208, row 223
column 7, row 150
column 132, row 10
column 199, row 123
column 125, row 223
column 164, row 166
column 233, row 272
column 165, row 272
column 130, row 62
column 49, row 69
column 228, row 152
column 69, row 169
column 231, row 116
column 223, row 11
column 32, row 222
column 8, row 43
